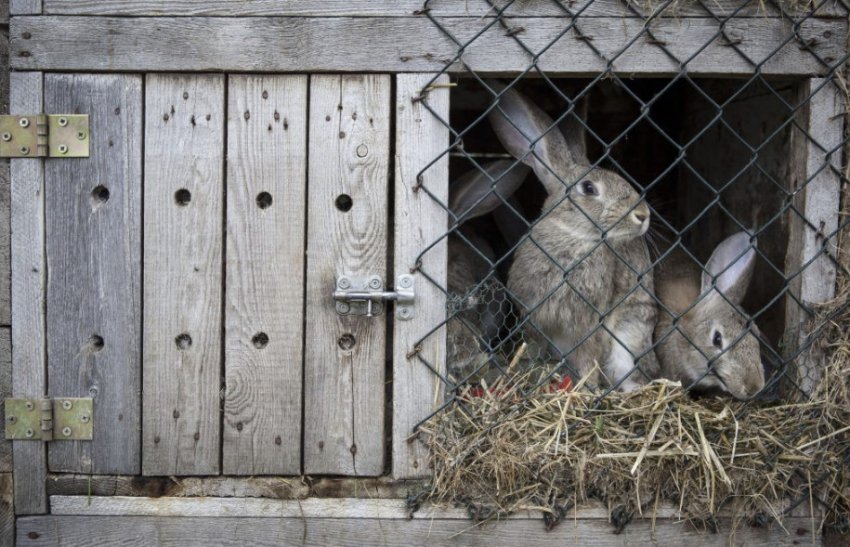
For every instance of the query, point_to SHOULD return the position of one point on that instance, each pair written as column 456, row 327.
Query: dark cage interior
column 712, row 157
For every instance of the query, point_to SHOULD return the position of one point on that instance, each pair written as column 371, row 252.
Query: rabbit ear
column 478, row 192
column 511, row 222
column 572, row 127
column 518, row 123
column 732, row 264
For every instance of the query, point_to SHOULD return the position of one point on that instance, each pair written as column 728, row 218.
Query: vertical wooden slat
column 183, row 197
column 266, row 184
column 93, row 214
column 344, row 356
column 421, row 138
column 815, row 163
column 24, row 7
column 28, row 279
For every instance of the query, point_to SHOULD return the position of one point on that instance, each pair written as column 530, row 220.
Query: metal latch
column 366, row 296
column 44, row 135
column 66, row 419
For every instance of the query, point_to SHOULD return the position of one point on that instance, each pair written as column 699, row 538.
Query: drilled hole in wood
column 100, row 194
column 264, row 200
column 182, row 197
column 96, row 342
column 183, row 341
column 260, row 340
column 344, row 203
column 346, row 342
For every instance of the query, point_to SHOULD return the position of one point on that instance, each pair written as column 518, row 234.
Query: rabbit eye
column 589, row 189
column 717, row 340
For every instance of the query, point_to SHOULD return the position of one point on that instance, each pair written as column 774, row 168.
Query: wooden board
column 93, row 215
column 184, row 210
column 7, row 510
column 28, row 289
column 414, row 44
column 5, row 391
column 815, row 169
column 439, row 8
column 344, row 356
column 96, row 531
column 17, row 7
column 420, row 220
column 266, row 170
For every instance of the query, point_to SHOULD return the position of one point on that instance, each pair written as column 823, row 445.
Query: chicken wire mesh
column 592, row 254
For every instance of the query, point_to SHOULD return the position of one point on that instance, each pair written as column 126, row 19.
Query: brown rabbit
column 583, row 279
column 712, row 347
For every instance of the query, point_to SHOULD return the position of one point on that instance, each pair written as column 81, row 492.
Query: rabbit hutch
column 361, row 272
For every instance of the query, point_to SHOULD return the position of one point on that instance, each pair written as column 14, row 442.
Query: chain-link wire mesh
column 609, row 230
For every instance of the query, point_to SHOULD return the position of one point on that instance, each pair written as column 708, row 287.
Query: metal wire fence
column 599, row 238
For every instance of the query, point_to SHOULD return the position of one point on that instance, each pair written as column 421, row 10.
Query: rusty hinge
column 65, row 419
column 44, row 136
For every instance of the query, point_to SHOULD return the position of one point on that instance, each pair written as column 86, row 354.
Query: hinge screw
column 7, row 137
column 344, row 283
column 343, row 307
column 25, row 150
column 375, row 283
column 29, row 405
column 404, row 312
column 24, row 122
column 63, row 149
column 11, row 419
column 84, row 418
column 66, row 405
column 81, row 135
column 66, row 431
column 406, row 281
column 63, row 121
column 29, row 433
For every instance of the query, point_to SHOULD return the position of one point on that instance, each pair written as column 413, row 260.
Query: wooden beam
column 815, row 164
column 415, row 44
column 20, row 7
column 110, row 530
column 184, row 217
column 28, row 297
column 264, row 300
column 421, row 220
column 5, row 391
column 439, row 8
column 94, row 251
column 7, row 510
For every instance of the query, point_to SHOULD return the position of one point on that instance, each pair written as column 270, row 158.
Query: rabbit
column 712, row 348
column 591, row 216
column 478, row 302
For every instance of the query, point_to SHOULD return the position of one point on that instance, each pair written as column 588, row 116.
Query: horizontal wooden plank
column 477, row 8
column 414, row 44
column 314, row 507
column 110, row 530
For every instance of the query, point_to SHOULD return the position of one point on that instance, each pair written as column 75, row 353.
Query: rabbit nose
column 639, row 216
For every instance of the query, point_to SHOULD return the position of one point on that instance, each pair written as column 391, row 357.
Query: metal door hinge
column 366, row 296
column 65, row 419
column 44, row 136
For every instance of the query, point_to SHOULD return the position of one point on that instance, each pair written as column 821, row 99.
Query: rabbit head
column 584, row 201
column 714, row 347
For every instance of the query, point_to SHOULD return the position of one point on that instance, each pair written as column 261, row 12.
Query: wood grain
column 267, row 153
column 344, row 383
column 439, row 8
column 816, row 183
column 7, row 510
column 28, row 297
column 420, row 220
column 414, row 44
column 19, row 7
column 5, row 391
column 94, row 213
column 96, row 531
column 184, row 210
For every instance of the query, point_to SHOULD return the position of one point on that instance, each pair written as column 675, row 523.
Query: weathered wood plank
column 5, row 196
column 350, row 508
column 344, row 356
column 439, row 8
column 5, row 391
column 7, row 510
column 93, row 214
column 816, row 186
column 20, row 7
column 414, row 44
column 28, row 297
column 266, row 185
column 184, row 192
column 420, row 220
column 95, row 531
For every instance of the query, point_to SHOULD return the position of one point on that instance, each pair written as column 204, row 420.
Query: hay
column 503, row 452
